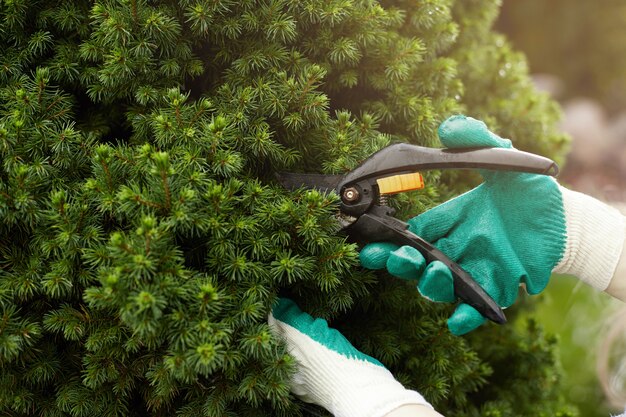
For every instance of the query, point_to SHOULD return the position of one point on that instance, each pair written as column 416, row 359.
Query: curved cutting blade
column 321, row 182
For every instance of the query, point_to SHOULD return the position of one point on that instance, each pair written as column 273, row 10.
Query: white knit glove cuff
column 346, row 387
column 595, row 237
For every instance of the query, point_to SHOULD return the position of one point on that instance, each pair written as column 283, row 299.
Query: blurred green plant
column 581, row 42
column 577, row 314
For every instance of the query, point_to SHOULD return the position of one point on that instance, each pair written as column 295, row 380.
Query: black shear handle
column 404, row 157
column 387, row 228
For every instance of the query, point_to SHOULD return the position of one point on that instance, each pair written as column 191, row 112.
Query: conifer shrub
column 144, row 240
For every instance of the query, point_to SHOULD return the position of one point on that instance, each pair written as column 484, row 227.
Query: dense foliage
column 143, row 239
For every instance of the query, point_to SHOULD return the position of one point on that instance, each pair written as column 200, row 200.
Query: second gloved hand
column 334, row 374
column 514, row 228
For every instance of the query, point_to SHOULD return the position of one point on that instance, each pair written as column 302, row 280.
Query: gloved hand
column 513, row 228
column 334, row 374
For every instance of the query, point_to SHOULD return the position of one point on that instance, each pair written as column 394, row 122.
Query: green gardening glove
column 334, row 374
column 514, row 228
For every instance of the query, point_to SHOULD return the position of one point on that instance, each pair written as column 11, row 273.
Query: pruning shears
column 366, row 218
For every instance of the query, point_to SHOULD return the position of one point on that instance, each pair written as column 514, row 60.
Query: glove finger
column 466, row 132
column 437, row 283
column 435, row 223
column 438, row 222
column 375, row 255
column 465, row 319
column 463, row 132
column 406, row 263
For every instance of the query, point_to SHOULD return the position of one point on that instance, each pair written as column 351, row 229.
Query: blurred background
column 576, row 51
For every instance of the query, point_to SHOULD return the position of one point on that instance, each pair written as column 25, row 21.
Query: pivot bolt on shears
column 366, row 218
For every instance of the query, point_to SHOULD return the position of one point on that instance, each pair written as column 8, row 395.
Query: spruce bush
column 144, row 240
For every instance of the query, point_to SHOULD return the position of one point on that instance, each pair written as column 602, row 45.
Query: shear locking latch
column 400, row 183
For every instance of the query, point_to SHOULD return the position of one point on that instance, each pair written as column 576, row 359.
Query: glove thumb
column 466, row 132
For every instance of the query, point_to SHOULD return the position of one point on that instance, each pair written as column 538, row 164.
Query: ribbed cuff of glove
column 595, row 237
column 345, row 386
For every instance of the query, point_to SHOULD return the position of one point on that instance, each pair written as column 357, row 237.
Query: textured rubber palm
column 509, row 230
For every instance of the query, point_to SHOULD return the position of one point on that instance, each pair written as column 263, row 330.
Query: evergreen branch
column 133, row 8
column 56, row 101
column 40, row 90
column 137, row 198
column 178, row 118
column 147, row 245
column 201, row 111
column 107, row 173
column 166, row 188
